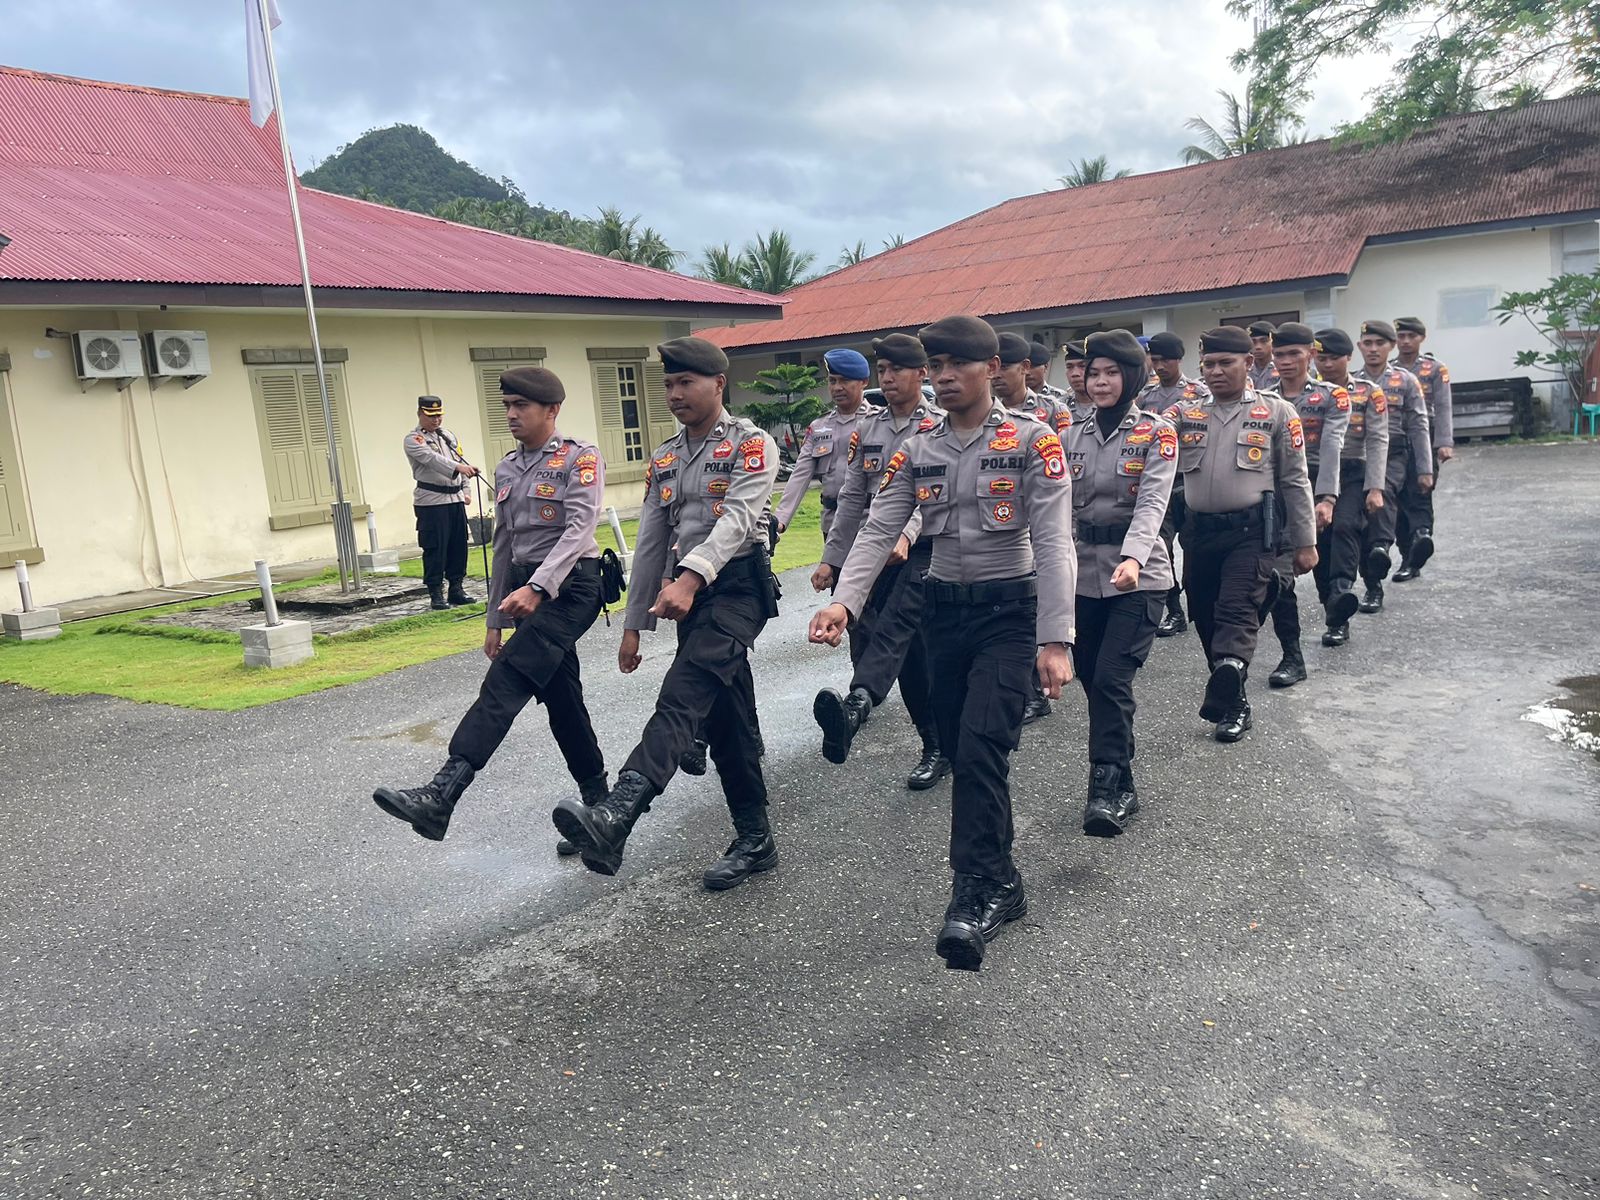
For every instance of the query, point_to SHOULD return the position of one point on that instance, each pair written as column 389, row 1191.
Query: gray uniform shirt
column 997, row 508
column 1407, row 403
column 1230, row 454
column 546, row 509
column 822, row 456
column 1366, row 437
column 1325, row 417
column 1264, row 379
column 1434, row 378
column 874, row 442
column 1157, row 397
column 1122, row 479
column 1053, row 392
column 711, row 499
column 433, row 462
column 1047, row 409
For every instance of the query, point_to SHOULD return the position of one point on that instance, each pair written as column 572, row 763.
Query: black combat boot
column 427, row 809
column 1336, row 635
column 436, row 596
column 840, row 718
column 601, row 830
column 591, row 792
column 979, row 908
column 1237, row 723
column 1291, row 669
column 1342, row 605
column 693, row 761
column 459, row 595
column 1372, row 602
column 1110, row 802
column 1224, row 687
column 932, row 767
column 1036, row 707
column 1376, row 569
column 1173, row 624
column 1416, row 557
column 752, row 852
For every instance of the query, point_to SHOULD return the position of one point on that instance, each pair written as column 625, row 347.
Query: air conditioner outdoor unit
column 178, row 354
column 107, row 354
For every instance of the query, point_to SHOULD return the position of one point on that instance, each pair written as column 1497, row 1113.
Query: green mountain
column 401, row 165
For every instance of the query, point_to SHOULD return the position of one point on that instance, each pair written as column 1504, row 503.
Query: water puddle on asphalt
column 1573, row 719
column 420, row 735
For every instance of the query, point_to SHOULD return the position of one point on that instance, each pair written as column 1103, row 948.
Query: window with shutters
column 294, row 444
column 632, row 415
column 16, row 523
column 497, row 439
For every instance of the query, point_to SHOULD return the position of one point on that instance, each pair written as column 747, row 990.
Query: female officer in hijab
column 1123, row 462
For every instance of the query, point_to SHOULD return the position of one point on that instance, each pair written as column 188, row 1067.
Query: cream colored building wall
column 154, row 486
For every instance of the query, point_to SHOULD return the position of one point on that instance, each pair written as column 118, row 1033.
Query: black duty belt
column 1205, row 522
column 749, row 567
column 439, row 487
column 990, row 591
column 522, row 572
column 1103, row 535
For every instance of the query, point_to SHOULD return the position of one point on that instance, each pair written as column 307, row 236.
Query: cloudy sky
column 832, row 119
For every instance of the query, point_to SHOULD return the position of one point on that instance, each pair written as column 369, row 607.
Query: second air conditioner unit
column 107, row 354
column 178, row 354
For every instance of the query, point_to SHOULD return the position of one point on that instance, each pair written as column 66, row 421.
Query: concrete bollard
column 30, row 624
column 275, row 642
column 375, row 561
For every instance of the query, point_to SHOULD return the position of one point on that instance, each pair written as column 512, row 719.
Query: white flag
column 255, row 41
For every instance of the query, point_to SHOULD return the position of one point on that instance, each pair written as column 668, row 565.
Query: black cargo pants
column 889, row 643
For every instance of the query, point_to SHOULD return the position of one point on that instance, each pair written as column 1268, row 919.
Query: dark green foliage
column 402, row 166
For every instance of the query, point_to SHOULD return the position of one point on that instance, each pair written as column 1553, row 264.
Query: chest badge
column 1005, row 512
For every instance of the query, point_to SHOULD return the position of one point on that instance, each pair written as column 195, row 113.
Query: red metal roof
column 115, row 183
column 1301, row 213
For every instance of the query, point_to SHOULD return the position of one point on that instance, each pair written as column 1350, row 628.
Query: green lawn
column 121, row 656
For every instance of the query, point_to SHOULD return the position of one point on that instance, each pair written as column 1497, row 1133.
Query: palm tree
column 773, row 265
column 851, row 255
column 720, row 264
column 619, row 237
column 1091, row 170
column 895, row 242
column 652, row 250
column 1247, row 126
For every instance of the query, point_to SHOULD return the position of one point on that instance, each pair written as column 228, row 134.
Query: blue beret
column 849, row 364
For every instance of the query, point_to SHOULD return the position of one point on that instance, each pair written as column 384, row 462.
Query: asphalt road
column 1349, row 957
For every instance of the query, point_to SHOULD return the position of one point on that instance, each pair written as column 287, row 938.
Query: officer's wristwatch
column 534, row 587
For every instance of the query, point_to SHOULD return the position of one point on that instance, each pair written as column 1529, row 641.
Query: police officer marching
column 1170, row 386
column 1324, row 411
column 1410, row 453
column 440, row 502
column 1077, row 366
column 887, row 642
column 1414, row 523
column 1363, row 463
column 823, row 451
column 993, row 492
column 1242, row 454
column 1263, row 371
column 545, row 584
column 1122, row 462
column 708, row 491
column 1039, row 357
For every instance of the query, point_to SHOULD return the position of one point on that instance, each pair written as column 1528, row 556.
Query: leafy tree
column 619, row 237
column 720, row 264
column 851, row 255
column 1566, row 315
column 795, row 402
column 1471, row 53
column 1248, row 125
column 895, row 242
column 774, row 265
column 1090, row 170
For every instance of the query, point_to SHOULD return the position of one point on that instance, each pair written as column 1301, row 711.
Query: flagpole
column 344, row 537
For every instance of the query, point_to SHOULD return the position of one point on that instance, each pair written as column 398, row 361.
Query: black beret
column 694, row 355
column 1335, row 342
column 1261, row 328
column 1039, row 354
column 960, row 337
column 533, row 383
column 1166, row 345
column 1378, row 329
column 1014, row 349
column 1120, row 346
column 430, row 404
column 1293, row 333
column 901, row 349
column 1227, row 339
column 1410, row 325
column 1075, row 352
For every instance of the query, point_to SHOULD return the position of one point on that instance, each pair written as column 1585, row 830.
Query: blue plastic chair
column 1591, row 411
